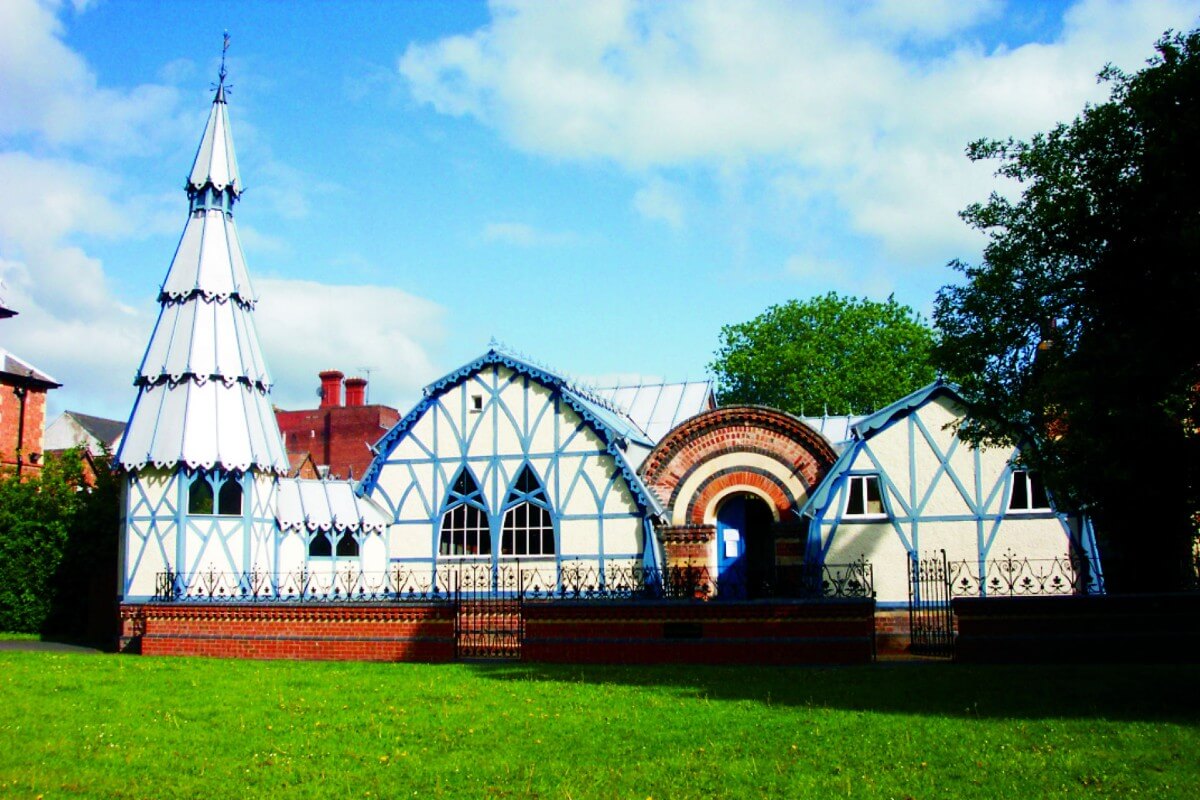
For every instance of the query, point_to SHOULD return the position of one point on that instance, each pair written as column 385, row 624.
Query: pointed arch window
column 464, row 531
column 528, row 526
column 320, row 546
column 215, row 493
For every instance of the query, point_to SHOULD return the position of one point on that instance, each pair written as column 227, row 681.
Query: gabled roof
column 104, row 430
column 867, row 427
column 873, row 422
column 21, row 371
column 656, row 408
column 616, row 430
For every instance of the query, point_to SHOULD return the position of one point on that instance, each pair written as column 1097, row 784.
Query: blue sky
column 600, row 185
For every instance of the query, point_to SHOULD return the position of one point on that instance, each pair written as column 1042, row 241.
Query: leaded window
column 465, row 531
column 215, row 493
column 528, row 526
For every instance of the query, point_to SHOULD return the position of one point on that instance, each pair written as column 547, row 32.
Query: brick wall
column 794, row 632
column 798, row 632
column 337, row 437
column 346, row 632
column 35, row 425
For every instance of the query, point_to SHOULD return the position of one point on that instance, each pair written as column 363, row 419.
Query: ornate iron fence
column 930, row 617
column 1014, row 576
column 529, row 581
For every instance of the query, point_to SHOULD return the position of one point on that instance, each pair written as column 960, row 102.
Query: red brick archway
column 748, row 434
column 749, row 449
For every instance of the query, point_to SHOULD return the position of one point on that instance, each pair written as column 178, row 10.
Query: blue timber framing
column 489, row 377
column 907, row 511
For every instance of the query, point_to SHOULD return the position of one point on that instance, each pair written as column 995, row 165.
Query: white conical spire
column 203, row 386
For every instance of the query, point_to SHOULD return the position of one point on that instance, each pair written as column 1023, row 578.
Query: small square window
column 476, row 403
column 864, row 498
column 1028, row 492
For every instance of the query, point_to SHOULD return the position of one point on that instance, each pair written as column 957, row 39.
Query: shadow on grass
column 1152, row 693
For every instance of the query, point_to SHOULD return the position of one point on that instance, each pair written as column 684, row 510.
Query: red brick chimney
column 356, row 391
column 331, row 388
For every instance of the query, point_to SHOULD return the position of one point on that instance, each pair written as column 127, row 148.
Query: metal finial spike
column 224, row 49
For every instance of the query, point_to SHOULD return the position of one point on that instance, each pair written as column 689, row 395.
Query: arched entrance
column 745, row 547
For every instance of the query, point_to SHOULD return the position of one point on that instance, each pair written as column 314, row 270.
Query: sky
column 598, row 185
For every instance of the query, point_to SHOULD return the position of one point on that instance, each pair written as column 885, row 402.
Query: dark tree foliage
column 832, row 354
column 1076, row 335
column 58, row 550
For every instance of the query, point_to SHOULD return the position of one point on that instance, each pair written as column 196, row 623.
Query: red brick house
column 338, row 434
column 23, row 390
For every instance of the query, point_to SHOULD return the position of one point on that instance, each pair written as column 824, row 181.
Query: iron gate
column 930, row 617
column 488, row 623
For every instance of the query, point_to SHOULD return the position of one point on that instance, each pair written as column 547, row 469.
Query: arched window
column 465, row 530
column 320, row 546
column 229, row 498
column 528, row 527
column 200, row 496
column 347, row 545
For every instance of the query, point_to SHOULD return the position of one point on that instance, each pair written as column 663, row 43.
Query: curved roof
column 616, row 430
column 324, row 505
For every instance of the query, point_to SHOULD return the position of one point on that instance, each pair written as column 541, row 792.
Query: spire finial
column 224, row 50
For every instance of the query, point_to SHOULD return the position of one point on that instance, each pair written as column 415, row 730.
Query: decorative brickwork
column 687, row 545
column 784, row 459
column 341, row 632
column 701, row 633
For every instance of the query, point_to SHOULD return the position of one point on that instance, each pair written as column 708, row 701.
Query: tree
column 832, row 354
column 1075, row 336
column 58, row 550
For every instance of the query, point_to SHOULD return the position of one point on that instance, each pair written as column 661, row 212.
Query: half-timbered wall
column 161, row 536
column 492, row 423
column 937, row 493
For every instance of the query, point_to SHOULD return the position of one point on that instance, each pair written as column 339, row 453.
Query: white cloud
column 828, row 92
column 57, row 127
column 49, row 91
column 660, row 201
column 520, row 234
column 306, row 327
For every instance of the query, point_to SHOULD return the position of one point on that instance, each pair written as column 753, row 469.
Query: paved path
column 44, row 647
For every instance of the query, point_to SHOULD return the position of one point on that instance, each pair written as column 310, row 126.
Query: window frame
column 527, row 493
column 216, row 481
column 1028, row 477
column 468, row 499
column 865, row 480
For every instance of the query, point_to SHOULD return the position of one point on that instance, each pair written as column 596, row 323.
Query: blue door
column 731, row 548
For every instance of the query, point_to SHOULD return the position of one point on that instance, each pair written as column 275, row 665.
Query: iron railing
column 529, row 581
column 1013, row 576
column 930, row 617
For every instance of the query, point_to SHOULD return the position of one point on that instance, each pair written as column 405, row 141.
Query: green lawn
column 125, row 726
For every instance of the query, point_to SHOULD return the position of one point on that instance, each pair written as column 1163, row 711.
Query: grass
column 120, row 726
column 8, row 636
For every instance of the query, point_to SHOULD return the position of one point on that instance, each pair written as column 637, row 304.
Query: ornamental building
column 508, row 482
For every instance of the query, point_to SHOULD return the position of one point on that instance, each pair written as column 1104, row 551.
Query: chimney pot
column 331, row 388
column 356, row 391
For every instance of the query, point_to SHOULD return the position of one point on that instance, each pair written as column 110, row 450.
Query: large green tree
column 832, row 354
column 1076, row 334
